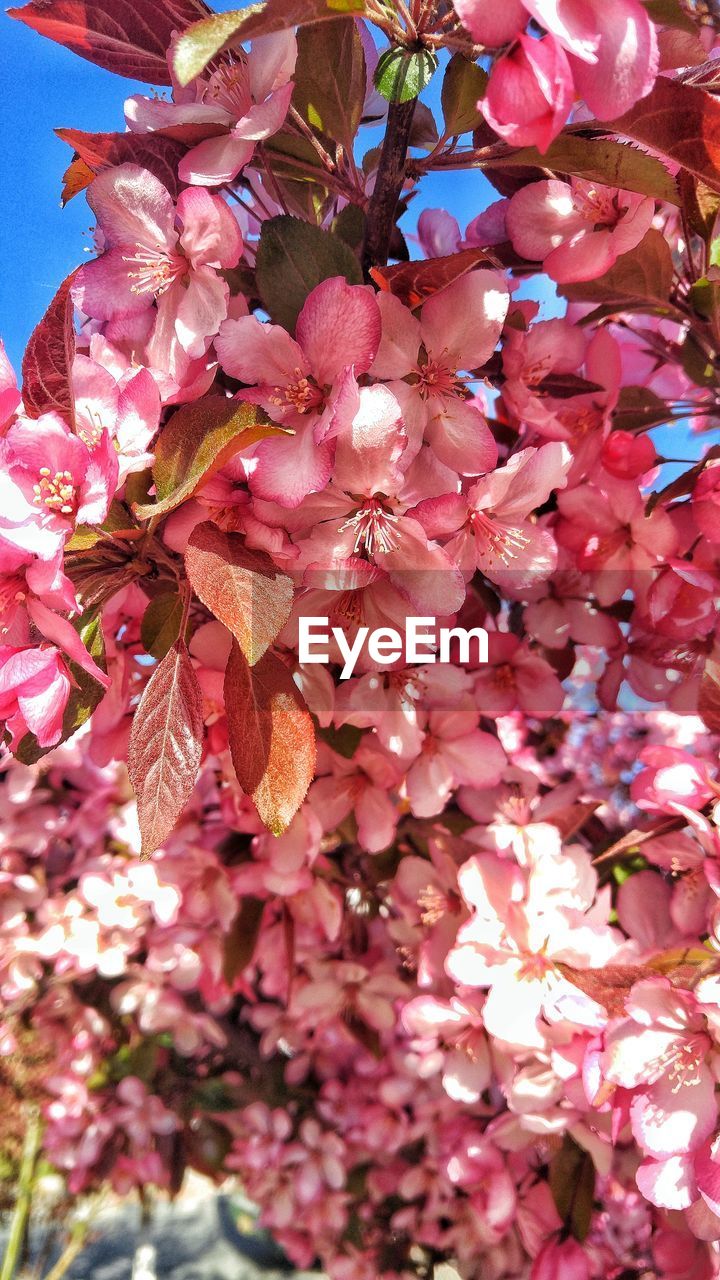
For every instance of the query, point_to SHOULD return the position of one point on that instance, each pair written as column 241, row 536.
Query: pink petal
column 397, row 354
column 463, row 322
column 201, row 308
column 215, row 161
column 258, row 353
column 287, row 471
column 133, row 208
column 460, row 437
column 103, row 288
column 339, row 326
column 211, row 235
column 627, row 59
column 669, row 1121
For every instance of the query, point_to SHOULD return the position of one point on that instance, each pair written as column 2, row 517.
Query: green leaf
column 161, row 622
column 330, row 79
column 201, row 42
column 615, row 164
column 670, row 13
column 400, row 75
column 198, row 440
column 464, row 83
column 572, row 1182
column 85, row 694
column 86, row 535
column 344, row 740
column 240, row 941
column 293, row 257
column 645, row 275
column 350, row 225
column 639, row 408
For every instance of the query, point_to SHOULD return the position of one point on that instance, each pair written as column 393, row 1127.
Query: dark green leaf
column 293, row 257
column 161, row 622
column 401, row 75
column 572, row 1182
column 330, row 79
column 645, row 275
column 198, row 440
column 463, row 85
column 201, row 42
column 239, row 943
column 638, row 408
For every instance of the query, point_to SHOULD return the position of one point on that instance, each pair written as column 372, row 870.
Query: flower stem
column 21, row 1212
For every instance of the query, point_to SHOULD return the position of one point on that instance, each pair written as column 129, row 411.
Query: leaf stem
column 21, row 1212
column 388, row 184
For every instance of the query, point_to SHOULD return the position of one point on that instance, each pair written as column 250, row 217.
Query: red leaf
column 272, row 740
column 709, row 695
column 152, row 151
column 48, row 358
column 682, row 123
column 166, row 746
column 242, row 588
column 129, row 37
column 412, row 282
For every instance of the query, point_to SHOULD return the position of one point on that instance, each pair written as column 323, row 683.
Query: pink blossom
column 50, row 481
column 34, row 689
column 458, row 330
column 300, row 382
column 240, row 103
column 488, row 528
column 578, row 229
column 156, row 250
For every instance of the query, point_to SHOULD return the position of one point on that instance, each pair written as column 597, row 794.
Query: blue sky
column 44, row 86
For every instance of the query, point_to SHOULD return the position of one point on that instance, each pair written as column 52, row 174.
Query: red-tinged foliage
column 76, row 178
column 153, row 151
column 412, row 282
column 654, row 121
column 48, row 358
column 129, row 37
column 166, row 746
column 272, row 741
column 709, row 695
column 241, row 588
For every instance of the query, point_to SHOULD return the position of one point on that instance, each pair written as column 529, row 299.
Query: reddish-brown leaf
column 634, row 839
column 272, row 741
column 153, row 151
column 48, row 358
column 682, row 123
column 709, row 695
column 609, row 986
column 242, row 588
column 129, row 37
column 412, row 282
column 166, row 746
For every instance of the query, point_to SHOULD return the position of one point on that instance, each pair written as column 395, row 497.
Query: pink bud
column 626, row 456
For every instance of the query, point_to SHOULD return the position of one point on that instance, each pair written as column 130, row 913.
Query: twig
column 388, row 184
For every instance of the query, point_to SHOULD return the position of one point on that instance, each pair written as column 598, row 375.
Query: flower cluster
column 428, row 956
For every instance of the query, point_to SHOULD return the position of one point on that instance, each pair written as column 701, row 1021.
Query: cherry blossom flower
column 578, row 229
column 155, row 250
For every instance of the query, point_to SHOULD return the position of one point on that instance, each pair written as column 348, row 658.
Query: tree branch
column 388, row 185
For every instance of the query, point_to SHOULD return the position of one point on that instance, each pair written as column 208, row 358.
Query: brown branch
column 388, row 185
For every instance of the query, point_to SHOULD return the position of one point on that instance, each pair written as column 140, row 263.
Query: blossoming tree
column 429, row 956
